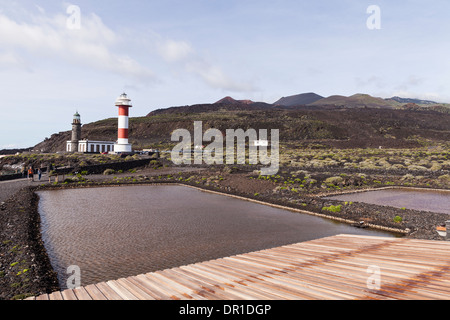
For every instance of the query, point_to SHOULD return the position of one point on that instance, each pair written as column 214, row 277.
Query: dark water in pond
column 424, row 200
column 117, row 232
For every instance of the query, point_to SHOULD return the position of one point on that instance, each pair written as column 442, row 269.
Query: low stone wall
column 8, row 177
column 100, row 168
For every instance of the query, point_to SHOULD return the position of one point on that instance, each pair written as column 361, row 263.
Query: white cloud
column 174, row 51
column 372, row 81
column 40, row 9
column 181, row 54
column 215, row 77
column 10, row 61
column 98, row 47
column 94, row 45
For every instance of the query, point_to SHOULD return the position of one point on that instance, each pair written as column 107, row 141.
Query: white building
column 91, row 146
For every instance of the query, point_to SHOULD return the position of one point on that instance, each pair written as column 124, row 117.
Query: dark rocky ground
column 24, row 266
column 25, row 269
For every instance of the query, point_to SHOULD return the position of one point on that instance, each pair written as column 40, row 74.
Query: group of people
column 31, row 172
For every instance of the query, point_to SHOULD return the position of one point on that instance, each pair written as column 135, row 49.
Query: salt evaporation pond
column 116, row 232
column 423, row 200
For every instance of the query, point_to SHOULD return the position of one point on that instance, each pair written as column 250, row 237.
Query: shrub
column 416, row 168
column 436, row 167
column 108, row 172
column 154, row 162
column 334, row 180
column 407, row 176
column 333, row 208
column 398, row 219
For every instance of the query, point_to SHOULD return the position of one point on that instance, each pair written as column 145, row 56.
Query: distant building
column 90, row 146
column 85, row 146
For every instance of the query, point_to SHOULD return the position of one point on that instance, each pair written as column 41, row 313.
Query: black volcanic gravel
column 25, row 269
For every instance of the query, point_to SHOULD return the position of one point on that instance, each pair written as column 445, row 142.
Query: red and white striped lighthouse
column 122, row 145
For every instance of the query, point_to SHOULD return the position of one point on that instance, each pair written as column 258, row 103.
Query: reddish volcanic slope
column 230, row 100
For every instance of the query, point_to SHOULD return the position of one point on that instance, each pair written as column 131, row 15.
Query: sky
column 59, row 57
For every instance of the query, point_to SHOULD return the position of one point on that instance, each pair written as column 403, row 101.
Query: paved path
column 9, row 188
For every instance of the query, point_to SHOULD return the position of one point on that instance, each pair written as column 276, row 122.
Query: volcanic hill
column 332, row 121
column 298, row 100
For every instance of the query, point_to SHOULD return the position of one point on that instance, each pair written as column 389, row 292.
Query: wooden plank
column 255, row 281
column 281, row 293
column 219, row 278
column 55, row 296
column 242, row 274
column 388, row 271
column 222, row 290
column 152, row 283
column 192, row 286
column 363, row 264
column 393, row 266
column 322, row 291
column 162, row 286
column 42, row 297
column 135, row 290
column 253, row 263
column 68, row 294
column 207, row 284
column 94, row 292
column 269, row 260
column 404, row 258
column 141, row 282
column 180, row 289
column 435, row 293
column 244, row 266
column 332, row 282
column 121, row 291
column 241, row 283
column 229, row 284
column 108, row 292
column 82, row 294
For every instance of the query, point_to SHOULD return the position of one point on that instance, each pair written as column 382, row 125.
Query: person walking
column 39, row 174
column 30, row 174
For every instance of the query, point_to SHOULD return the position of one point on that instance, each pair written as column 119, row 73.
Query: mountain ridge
column 298, row 99
column 411, row 100
column 358, row 100
column 345, row 120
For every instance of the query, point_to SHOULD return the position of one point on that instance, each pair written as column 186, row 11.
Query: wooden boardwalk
column 340, row 267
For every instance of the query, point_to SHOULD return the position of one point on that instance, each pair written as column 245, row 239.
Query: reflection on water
column 424, row 200
column 116, row 232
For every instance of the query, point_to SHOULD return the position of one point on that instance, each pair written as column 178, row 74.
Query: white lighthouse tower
column 122, row 145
